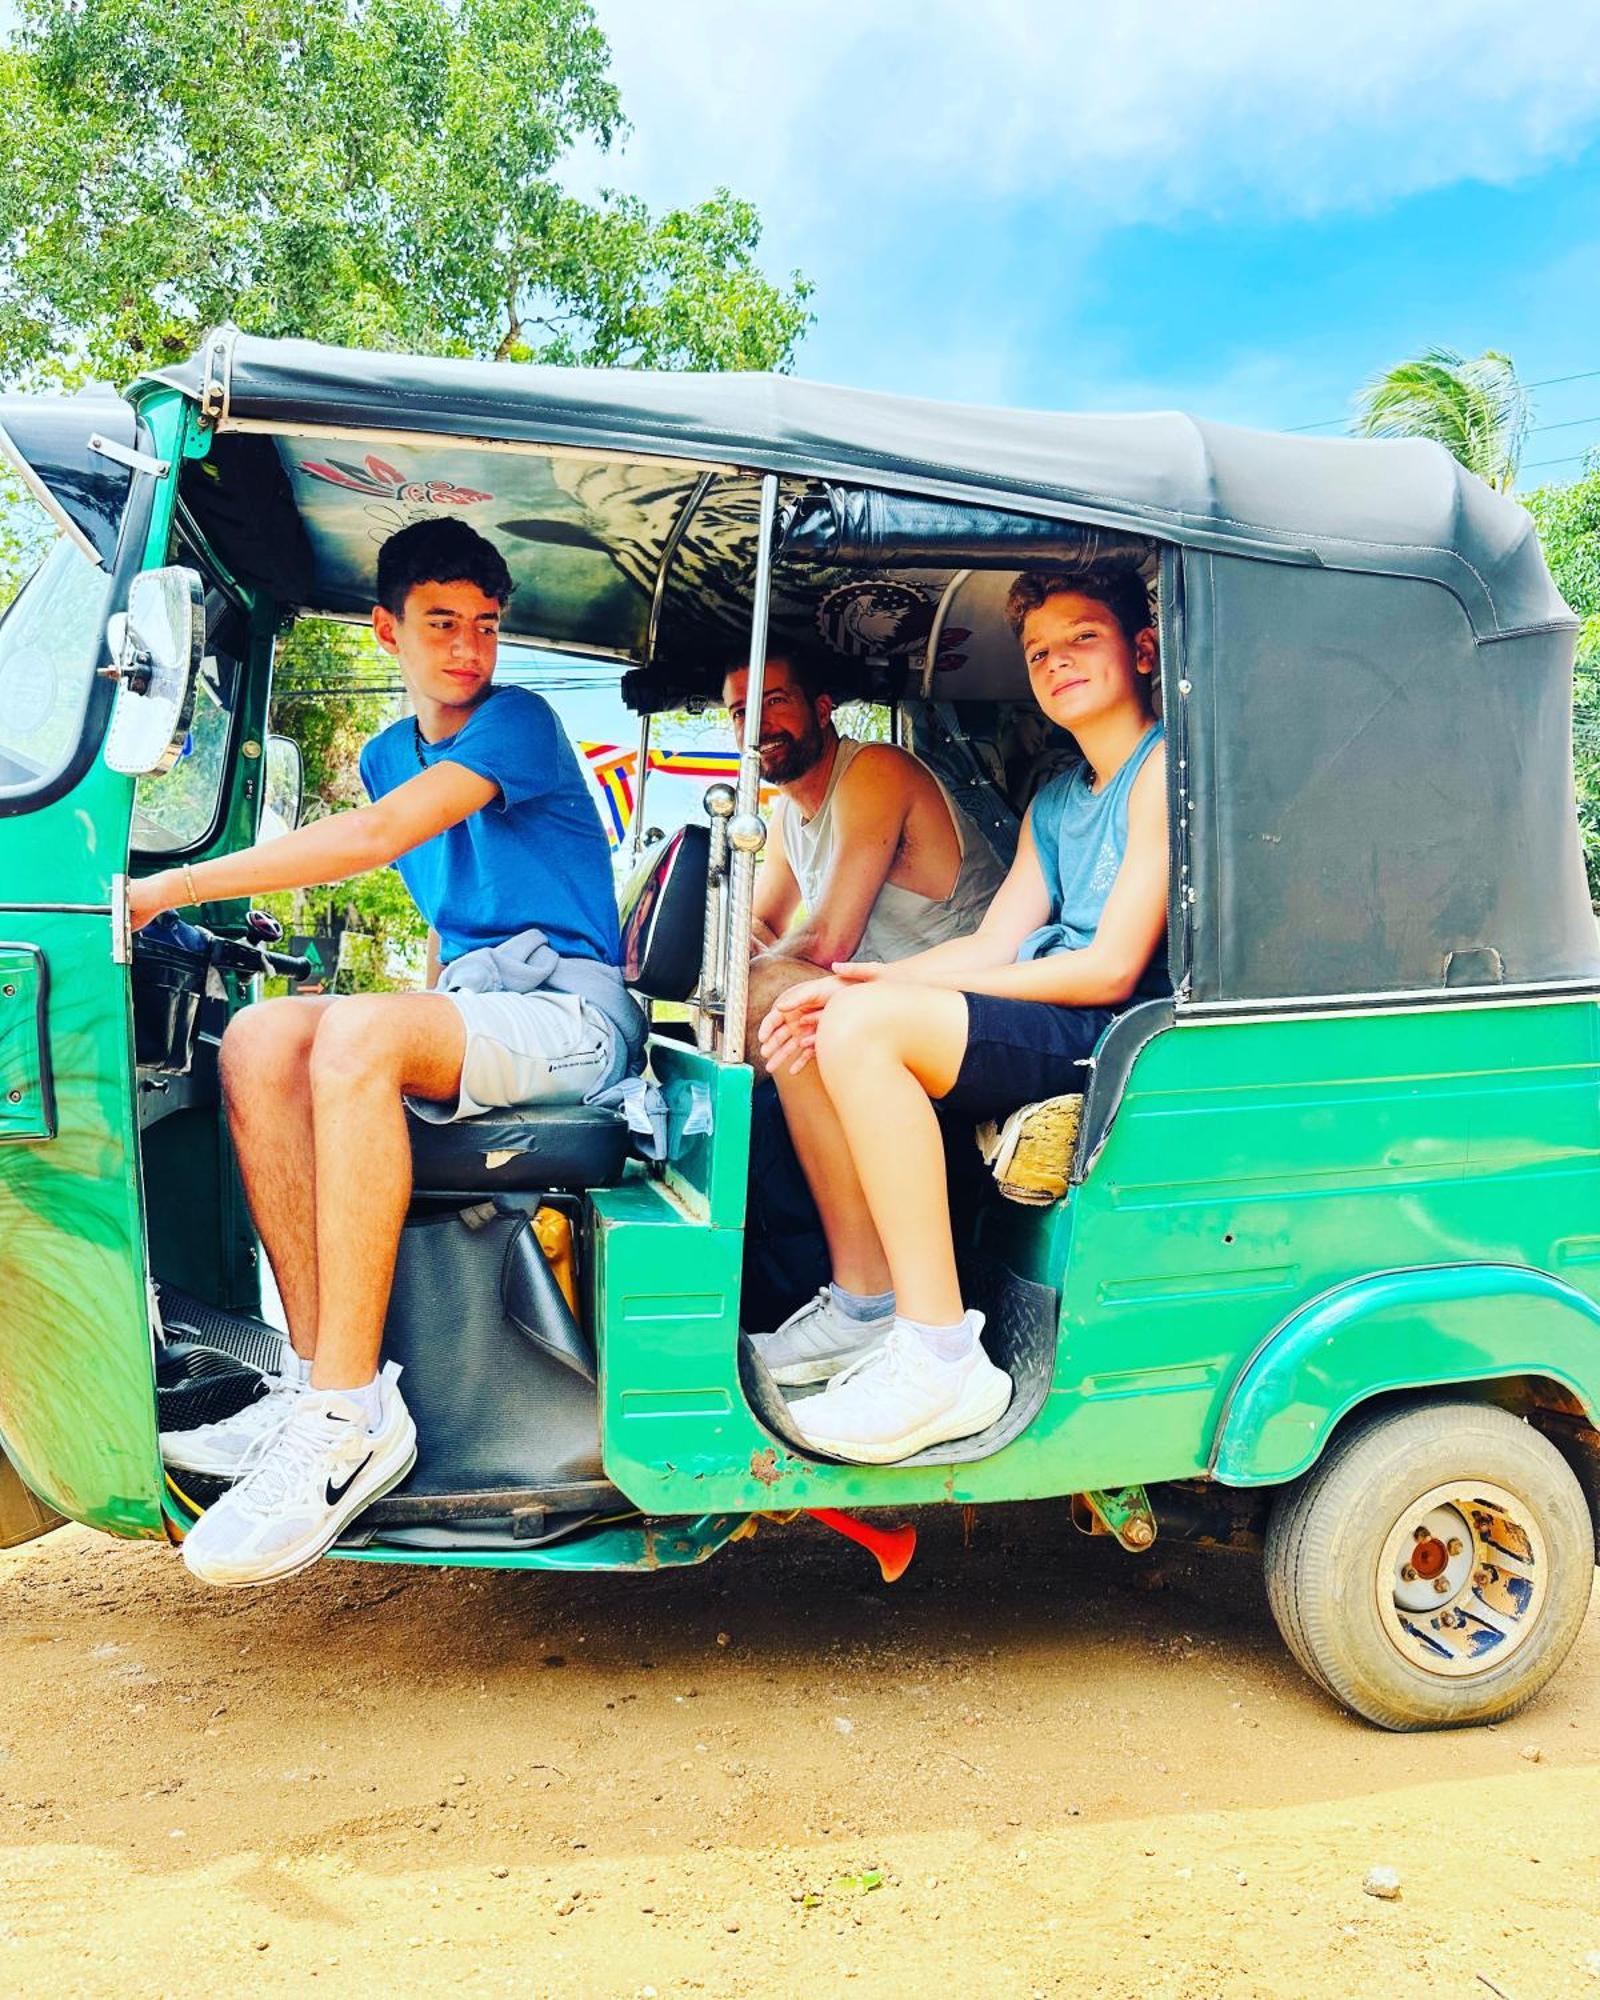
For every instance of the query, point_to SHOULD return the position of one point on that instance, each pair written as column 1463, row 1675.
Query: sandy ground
column 1035, row 1766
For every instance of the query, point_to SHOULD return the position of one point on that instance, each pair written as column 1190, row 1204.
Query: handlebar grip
column 286, row 965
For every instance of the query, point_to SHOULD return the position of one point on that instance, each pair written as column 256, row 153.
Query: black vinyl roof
column 1397, row 508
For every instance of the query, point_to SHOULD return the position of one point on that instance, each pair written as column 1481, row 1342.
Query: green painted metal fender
column 1417, row 1329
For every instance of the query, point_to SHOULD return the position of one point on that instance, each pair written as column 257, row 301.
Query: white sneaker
column 221, row 1449
column 815, row 1343
column 311, row 1477
column 901, row 1399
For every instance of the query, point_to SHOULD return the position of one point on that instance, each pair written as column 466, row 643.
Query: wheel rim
column 1463, row 1579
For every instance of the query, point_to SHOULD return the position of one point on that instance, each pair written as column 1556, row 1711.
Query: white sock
column 946, row 1343
column 368, row 1399
column 294, row 1367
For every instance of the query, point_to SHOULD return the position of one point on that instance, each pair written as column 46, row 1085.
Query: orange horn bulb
column 893, row 1547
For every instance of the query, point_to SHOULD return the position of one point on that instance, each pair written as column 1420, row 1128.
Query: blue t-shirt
column 536, row 855
column 1081, row 838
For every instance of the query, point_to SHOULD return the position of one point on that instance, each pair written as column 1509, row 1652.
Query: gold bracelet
column 188, row 883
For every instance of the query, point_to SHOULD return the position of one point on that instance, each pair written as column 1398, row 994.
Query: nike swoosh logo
column 334, row 1494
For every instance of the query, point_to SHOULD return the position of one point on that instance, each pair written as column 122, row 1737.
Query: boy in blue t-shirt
column 478, row 799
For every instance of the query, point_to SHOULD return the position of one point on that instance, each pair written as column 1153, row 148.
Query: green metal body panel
column 77, row 1395
column 1400, row 1330
column 27, row 1088
column 1251, row 1170
column 1255, row 1168
column 77, row 1392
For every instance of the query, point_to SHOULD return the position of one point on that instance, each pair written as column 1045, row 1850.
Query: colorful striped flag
column 613, row 773
column 614, row 768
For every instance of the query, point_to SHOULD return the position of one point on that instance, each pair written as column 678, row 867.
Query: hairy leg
column 885, row 1052
column 266, row 1085
column 370, row 1049
column 771, row 973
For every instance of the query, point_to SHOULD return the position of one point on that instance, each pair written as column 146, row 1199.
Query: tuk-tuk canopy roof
column 1367, row 695
column 1402, row 508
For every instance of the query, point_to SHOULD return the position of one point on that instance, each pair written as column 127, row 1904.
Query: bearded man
column 869, row 858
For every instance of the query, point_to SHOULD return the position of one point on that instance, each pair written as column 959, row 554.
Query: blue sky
column 1236, row 207
column 1239, row 208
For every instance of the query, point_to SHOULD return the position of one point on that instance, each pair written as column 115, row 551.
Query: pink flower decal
column 376, row 479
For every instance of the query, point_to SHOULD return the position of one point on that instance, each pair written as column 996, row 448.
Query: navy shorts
column 1019, row 1051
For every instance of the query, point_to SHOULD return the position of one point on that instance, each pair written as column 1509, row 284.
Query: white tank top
column 900, row 921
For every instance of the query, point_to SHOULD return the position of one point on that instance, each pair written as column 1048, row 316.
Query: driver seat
column 564, row 1148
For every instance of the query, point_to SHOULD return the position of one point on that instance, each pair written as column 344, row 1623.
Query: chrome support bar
column 719, row 804
column 638, row 790
column 747, row 832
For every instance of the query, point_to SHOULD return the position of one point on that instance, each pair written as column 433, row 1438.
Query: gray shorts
column 528, row 1049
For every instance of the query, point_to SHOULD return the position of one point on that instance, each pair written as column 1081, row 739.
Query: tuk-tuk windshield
column 49, row 644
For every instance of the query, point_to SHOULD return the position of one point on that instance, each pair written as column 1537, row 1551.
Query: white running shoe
column 815, row 1343
column 222, row 1449
column 902, row 1399
column 310, row 1478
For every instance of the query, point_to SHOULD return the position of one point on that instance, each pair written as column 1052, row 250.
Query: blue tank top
column 1081, row 837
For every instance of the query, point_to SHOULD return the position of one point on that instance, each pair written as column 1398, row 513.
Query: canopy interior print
column 647, row 565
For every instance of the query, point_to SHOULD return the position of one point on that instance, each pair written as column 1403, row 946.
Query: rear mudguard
column 1414, row 1329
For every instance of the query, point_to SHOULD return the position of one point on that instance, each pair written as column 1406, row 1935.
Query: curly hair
column 1120, row 588
column 441, row 550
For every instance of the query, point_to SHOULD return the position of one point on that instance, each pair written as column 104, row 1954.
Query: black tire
column 1325, row 1554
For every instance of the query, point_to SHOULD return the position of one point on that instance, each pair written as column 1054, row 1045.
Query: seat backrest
column 664, row 916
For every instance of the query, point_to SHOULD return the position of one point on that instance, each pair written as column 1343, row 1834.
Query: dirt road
column 1035, row 1766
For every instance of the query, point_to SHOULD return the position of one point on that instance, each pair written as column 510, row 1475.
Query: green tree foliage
column 1568, row 520
column 330, row 693
column 26, row 532
column 378, row 173
column 1477, row 409
column 381, row 173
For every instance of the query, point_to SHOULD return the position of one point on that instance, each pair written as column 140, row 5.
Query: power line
column 1549, row 382
column 1567, row 424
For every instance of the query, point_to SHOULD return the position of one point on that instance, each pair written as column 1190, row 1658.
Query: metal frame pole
column 638, row 790
column 708, row 995
column 747, row 832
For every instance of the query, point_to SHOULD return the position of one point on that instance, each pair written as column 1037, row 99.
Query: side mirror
column 156, row 648
column 283, row 783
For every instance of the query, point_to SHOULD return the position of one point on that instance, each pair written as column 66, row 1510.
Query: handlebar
column 241, row 955
column 248, row 955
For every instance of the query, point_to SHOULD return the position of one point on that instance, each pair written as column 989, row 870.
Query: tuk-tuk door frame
column 1176, row 691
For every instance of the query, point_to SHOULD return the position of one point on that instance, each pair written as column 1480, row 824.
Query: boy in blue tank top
column 478, row 800
column 982, row 1025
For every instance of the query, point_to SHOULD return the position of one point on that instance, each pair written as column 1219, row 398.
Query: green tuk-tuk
column 1321, row 1270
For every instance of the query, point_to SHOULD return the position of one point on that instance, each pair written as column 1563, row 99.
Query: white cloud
column 1124, row 111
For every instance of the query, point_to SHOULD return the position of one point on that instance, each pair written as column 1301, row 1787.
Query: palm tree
column 1476, row 409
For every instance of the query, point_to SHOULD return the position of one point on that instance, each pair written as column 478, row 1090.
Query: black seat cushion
column 562, row 1146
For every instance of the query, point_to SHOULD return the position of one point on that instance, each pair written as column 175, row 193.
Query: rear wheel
column 1433, row 1569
